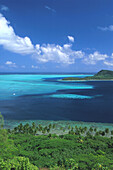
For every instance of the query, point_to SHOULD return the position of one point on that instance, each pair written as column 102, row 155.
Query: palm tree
column 48, row 130
column 26, row 128
column 82, row 130
column 43, row 131
column 20, row 127
column 54, row 126
column 64, row 130
column 61, row 128
column 97, row 134
column 40, row 127
column 33, row 125
column 95, row 129
column 111, row 132
column 30, row 130
column 100, row 132
column 72, row 128
column 71, row 132
column 49, row 135
column 50, row 126
column 103, row 133
column 15, row 129
column 45, row 128
column 35, row 131
column 106, row 130
column 85, row 128
column 91, row 129
column 88, row 133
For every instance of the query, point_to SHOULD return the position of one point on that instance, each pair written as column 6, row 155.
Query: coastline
column 102, row 75
column 60, row 123
column 85, row 80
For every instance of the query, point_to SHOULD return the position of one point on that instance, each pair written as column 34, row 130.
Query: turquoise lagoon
column 44, row 98
column 13, row 85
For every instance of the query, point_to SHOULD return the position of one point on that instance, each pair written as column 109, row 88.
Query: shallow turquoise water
column 19, row 84
column 71, row 96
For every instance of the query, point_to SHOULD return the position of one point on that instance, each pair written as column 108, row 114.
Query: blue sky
column 56, row 35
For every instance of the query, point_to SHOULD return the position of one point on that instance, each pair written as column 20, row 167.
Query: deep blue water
column 44, row 97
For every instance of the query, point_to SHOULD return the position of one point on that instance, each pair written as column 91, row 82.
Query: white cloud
column 35, row 67
column 10, row 41
column 71, row 38
column 46, row 52
column 112, row 55
column 108, row 63
column 78, row 54
column 109, row 28
column 4, row 8
column 56, row 53
column 42, row 53
column 51, row 9
column 10, row 64
column 93, row 58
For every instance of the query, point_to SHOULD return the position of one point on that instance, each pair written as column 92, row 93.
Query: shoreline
column 59, row 123
column 85, row 80
column 102, row 75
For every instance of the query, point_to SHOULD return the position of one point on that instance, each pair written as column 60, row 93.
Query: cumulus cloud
column 71, row 39
column 4, row 8
column 51, row 9
column 93, row 58
column 42, row 53
column 10, row 41
column 10, row 64
column 109, row 28
column 59, row 54
column 63, row 54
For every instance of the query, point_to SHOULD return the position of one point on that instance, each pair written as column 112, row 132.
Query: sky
column 56, row 35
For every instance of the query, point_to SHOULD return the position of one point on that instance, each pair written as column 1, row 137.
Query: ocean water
column 12, row 86
column 46, row 97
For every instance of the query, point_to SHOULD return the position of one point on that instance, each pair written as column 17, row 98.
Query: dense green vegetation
column 101, row 75
column 82, row 148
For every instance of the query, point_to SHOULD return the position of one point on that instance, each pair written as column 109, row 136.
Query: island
column 101, row 75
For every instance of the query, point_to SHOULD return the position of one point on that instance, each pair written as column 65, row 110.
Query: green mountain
column 101, row 75
column 104, row 73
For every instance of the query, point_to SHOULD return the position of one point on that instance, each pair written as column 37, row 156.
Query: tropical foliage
column 82, row 148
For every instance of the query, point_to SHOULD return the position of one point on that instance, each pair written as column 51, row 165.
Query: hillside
column 105, row 73
column 101, row 75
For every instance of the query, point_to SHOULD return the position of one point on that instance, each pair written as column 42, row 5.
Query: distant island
column 101, row 75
